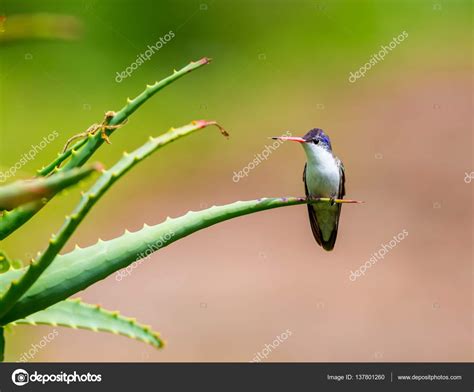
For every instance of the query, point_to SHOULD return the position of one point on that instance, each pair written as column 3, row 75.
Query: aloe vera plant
column 39, row 293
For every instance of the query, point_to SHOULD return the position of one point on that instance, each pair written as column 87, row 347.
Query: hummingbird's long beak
column 290, row 138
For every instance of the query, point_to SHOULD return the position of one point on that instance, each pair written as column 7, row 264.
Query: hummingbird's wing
column 312, row 215
column 342, row 181
column 327, row 245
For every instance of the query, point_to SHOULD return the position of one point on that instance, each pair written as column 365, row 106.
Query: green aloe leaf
column 84, row 149
column 75, row 271
column 25, row 191
column 74, row 313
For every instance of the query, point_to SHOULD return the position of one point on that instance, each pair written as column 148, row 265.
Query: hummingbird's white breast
column 322, row 172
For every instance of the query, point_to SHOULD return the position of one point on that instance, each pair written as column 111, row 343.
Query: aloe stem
column 83, row 150
column 88, row 199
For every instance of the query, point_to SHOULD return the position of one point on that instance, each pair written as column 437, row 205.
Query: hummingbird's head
column 313, row 140
column 317, row 137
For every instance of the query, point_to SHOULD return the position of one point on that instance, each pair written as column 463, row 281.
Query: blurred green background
column 404, row 133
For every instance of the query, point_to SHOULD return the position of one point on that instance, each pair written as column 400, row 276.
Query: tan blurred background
column 404, row 133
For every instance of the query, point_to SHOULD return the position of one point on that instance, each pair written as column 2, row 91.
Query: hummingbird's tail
column 329, row 244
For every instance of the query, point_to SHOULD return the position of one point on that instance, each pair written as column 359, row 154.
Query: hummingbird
column 323, row 176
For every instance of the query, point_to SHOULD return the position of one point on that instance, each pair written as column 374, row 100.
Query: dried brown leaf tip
column 206, row 123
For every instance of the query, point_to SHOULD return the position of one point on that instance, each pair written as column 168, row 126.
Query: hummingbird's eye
column 316, row 141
